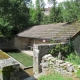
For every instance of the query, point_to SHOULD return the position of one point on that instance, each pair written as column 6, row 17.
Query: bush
column 73, row 58
column 78, row 73
column 64, row 49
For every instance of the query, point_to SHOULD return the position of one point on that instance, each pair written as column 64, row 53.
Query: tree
column 39, row 7
column 55, row 13
column 52, row 11
column 14, row 15
column 77, row 3
column 69, row 11
column 36, row 15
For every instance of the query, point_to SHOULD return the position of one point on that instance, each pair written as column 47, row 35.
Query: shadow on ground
column 23, row 74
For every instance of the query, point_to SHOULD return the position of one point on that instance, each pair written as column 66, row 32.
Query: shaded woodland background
column 18, row 15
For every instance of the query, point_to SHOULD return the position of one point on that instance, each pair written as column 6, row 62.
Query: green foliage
column 54, row 76
column 14, row 16
column 63, row 48
column 33, row 18
column 45, row 19
column 78, row 73
column 55, row 15
column 70, row 11
column 73, row 58
column 7, row 70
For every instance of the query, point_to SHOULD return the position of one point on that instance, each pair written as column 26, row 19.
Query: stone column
column 35, row 59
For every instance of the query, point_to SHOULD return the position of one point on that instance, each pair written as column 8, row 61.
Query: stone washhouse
column 45, row 34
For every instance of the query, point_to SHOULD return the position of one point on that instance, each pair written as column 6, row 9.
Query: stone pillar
column 10, row 72
column 35, row 59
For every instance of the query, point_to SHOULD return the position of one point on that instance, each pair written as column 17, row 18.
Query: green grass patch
column 21, row 57
column 54, row 76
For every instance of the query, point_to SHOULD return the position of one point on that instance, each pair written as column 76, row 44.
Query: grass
column 55, row 76
column 21, row 57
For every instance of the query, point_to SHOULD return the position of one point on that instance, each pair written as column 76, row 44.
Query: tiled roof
column 52, row 31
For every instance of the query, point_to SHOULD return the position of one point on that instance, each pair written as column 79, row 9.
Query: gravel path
column 29, row 52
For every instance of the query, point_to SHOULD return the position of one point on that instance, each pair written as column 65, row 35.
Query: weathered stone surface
column 70, row 68
column 57, row 65
column 46, row 56
column 64, row 64
column 51, row 63
column 44, row 60
column 36, row 60
column 69, row 73
column 44, row 49
column 44, row 65
column 69, row 64
column 60, row 61
column 49, row 58
column 54, row 59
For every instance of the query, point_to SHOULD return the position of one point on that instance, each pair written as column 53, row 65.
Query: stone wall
column 76, row 43
column 38, row 41
column 21, row 43
column 49, row 63
column 7, row 44
column 39, row 51
column 9, row 67
column 44, row 62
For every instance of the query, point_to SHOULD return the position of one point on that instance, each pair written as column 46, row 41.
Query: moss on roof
column 52, row 31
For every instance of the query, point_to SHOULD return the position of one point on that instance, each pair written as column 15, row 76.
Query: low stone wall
column 9, row 68
column 49, row 63
column 7, row 44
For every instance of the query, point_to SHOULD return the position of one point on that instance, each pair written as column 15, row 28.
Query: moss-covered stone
column 3, row 55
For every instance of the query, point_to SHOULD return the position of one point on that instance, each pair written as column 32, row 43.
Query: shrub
column 78, row 73
column 73, row 58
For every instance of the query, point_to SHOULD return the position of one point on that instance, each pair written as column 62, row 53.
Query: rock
column 44, row 65
column 63, row 71
column 60, row 61
column 46, row 56
column 49, row 58
column 69, row 73
column 54, row 59
column 51, row 63
column 69, row 64
column 62, row 65
column 70, row 68
column 45, row 70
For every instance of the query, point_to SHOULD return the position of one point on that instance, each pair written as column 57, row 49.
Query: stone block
column 64, row 64
column 49, row 58
column 70, row 68
column 45, row 65
column 60, row 61
column 46, row 56
column 53, row 60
